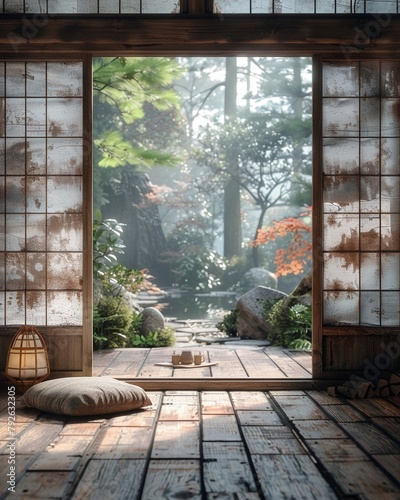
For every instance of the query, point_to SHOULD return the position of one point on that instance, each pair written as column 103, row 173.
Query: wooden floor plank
column 257, row 417
column 176, row 399
column 371, row 439
column 258, row 364
column 262, row 440
column 117, row 478
column 36, row 438
column 18, row 428
column 21, row 465
column 220, row 428
column 286, row 363
column 40, row 485
column 150, row 369
column 23, row 414
column 214, row 403
column 233, row 496
column 303, row 358
column 122, row 442
column 173, row 479
column 203, row 372
column 180, row 408
column 63, row 454
column 176, row 440
column 299, row 407
column 364, row 479
column 229, row 364
column 391, row 464
column 128, row 362
column 284, row 477
column 375, row 407
column 343, row 413
column 323, row 398
column 391, row 425
column 250, row 400
column 102, row 359
column 227, row 470
column 318, row 429
column 76, row 427
column 180, row 412
column 336, row 450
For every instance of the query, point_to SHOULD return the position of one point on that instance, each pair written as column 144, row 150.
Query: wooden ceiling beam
column 349, row 35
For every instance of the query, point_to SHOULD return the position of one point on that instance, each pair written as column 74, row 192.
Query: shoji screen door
column 359, row 218
column 44, row 209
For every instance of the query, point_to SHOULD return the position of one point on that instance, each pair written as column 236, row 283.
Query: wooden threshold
column 226, row 384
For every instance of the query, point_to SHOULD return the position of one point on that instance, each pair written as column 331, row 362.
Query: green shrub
column 164, row 337
column 229, row 323
column 107, row 244
column 290, row 323
column 275, row 315
column 111, row 320
column 298, row 333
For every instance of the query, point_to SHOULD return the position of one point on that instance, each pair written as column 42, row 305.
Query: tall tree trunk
column 298, row 112
column 232, row 215
column 143, row 235
column 255, row 252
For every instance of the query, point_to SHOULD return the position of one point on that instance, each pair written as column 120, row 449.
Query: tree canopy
column 126, row 91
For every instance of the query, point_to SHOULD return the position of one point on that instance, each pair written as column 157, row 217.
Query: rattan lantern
column 27, row 359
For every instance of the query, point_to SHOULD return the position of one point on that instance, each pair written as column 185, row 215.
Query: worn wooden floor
column 210, row 445
column 270, row 362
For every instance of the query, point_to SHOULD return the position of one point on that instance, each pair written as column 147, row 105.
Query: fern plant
column 229, row 323
column 297, row 334
column 164, row 337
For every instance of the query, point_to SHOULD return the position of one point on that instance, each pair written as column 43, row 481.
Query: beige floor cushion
column 80, row 396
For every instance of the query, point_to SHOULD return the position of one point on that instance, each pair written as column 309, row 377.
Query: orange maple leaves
column 292, row 258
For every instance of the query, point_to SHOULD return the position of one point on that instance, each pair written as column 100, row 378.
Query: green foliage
column 236, row 267
column 298, row 334
column 200, row 271
column 301, row 344
column 291, row 323
column 128, row 83
column 229, row 323
column 164, row 337
column 118, row 152
column 136, row 324
column 125, row 92
column 107, row 244
column 193, row 264
column 111, row 320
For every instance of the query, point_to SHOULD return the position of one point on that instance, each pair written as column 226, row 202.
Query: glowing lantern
column 27, row 359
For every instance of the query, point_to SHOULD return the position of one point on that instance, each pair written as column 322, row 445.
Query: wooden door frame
column 26, row 37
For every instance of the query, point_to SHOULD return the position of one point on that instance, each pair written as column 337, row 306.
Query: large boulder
column 302, row 294
column 257, row 276
column 305, row 286
column 250, row 322
column 152, row 320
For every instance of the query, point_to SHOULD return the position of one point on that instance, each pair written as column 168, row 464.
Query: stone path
column 195, row 332
column 192, row 333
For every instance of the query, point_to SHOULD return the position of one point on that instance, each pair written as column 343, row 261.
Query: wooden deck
column 232, row 363
column 210, row 445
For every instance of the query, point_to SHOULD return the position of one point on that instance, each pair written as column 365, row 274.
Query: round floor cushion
column 81, row 396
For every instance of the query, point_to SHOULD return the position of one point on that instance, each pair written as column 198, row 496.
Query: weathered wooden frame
column 33, row 37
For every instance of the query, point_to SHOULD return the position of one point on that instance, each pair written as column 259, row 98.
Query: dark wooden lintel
column 346, row 35
column 360, row 331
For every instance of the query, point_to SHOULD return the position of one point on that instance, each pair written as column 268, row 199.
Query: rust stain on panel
column 370, row 240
